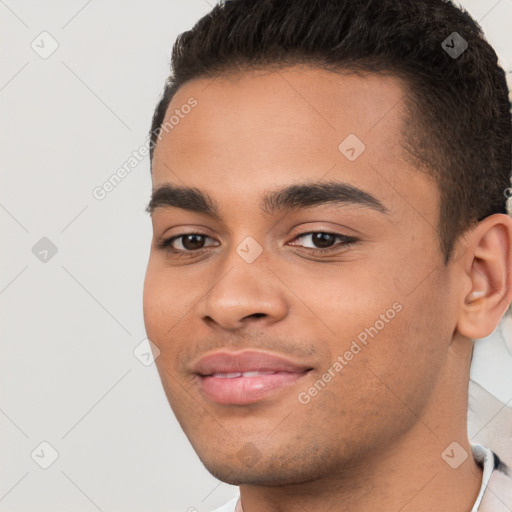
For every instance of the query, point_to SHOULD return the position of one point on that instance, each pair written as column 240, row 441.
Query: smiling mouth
column 240, row 388
column 247, row 376
column 233, row 375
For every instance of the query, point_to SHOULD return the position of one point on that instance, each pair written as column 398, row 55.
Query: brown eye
column 323, row 242
column 188, row 243
column 192, row 242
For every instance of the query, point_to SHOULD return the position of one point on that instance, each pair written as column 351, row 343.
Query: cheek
column 387, row 338
column 153, row 303
column 170, row 307
column 345, row 299
column 164, row 312
column 161, row 305
column 166, row 297
column 389, row 380
column 409, row 356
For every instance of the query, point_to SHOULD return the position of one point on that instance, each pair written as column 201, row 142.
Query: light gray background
column 69, row 376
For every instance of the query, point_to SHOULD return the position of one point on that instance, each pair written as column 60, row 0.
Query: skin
column 372, row 438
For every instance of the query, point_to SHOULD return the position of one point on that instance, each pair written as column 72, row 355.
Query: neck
column 410, row 475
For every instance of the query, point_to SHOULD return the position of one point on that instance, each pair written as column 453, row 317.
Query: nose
column 245, row 293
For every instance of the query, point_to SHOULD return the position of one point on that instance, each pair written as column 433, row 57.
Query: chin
column 247, row 468
column 239, row 475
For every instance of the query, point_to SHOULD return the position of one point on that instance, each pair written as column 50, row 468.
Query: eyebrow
column 288, row 198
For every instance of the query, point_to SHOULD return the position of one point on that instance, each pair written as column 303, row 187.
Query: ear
column 487, row 276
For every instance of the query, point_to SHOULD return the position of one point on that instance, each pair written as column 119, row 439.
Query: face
column 295, row 329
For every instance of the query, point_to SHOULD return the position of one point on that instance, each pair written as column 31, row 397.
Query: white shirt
column 482, row 455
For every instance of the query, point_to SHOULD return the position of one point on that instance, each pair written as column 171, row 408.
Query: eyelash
column 166, row 244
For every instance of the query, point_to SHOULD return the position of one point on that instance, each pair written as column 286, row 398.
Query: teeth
column 256, row 373
column 233, row 375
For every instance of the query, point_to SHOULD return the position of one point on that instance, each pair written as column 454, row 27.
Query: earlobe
column 488, row 268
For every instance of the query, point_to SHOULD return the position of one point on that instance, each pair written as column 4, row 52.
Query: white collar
column 485, row 458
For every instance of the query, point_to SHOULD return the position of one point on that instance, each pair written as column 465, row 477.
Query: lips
column 245, row 377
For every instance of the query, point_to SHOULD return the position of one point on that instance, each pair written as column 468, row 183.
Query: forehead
column 253, row 129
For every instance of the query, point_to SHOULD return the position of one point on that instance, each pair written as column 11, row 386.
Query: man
column 330, row 235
